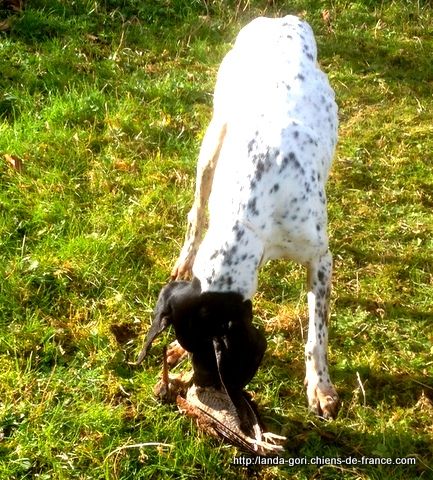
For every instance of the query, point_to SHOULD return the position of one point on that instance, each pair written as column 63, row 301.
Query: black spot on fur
column 291, row 160
column 263, row 163
column 252, row 144
column 260, row 169
column 239, row 234
column 228, row 255
column 252, row 206
column 215, row 254
column 275, row 188
column 284, row 164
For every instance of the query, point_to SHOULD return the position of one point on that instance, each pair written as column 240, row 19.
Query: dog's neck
column 229, row 261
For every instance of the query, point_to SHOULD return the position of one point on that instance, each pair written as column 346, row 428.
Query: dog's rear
column 263, row 167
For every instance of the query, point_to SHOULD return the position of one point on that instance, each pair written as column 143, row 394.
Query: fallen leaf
column 5, row 25
column 124, row 166
column 92, row 38
column 15, row 5
column 15, row 162
column 326, row 17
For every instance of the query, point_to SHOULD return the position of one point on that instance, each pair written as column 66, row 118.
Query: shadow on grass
column 313, row 440
column 309, row 437
column 368, row 45
column 388, row 309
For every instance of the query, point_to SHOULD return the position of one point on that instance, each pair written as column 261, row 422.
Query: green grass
column 105, row 104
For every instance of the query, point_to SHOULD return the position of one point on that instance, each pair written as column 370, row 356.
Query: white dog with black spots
column 262, row 169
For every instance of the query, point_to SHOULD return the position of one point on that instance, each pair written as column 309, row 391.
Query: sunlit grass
column 104, row 105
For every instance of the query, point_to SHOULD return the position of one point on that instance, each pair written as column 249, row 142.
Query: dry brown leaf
column 326, row 17
column 91, row 37
column 124, row 166
column 15, row 162
column 15, row 5
column 5, row 25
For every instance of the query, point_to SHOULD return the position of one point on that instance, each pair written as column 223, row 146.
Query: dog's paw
column 323, row 400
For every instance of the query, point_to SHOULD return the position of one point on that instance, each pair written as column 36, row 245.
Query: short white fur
column 262, row 169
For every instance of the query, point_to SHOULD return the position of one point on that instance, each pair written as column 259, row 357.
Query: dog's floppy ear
column 162, row 316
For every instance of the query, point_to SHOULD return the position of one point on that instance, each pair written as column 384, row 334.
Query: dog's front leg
column 207, row 161
column 322, row 396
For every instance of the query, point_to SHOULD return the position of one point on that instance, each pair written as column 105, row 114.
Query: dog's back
column 272, row 73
